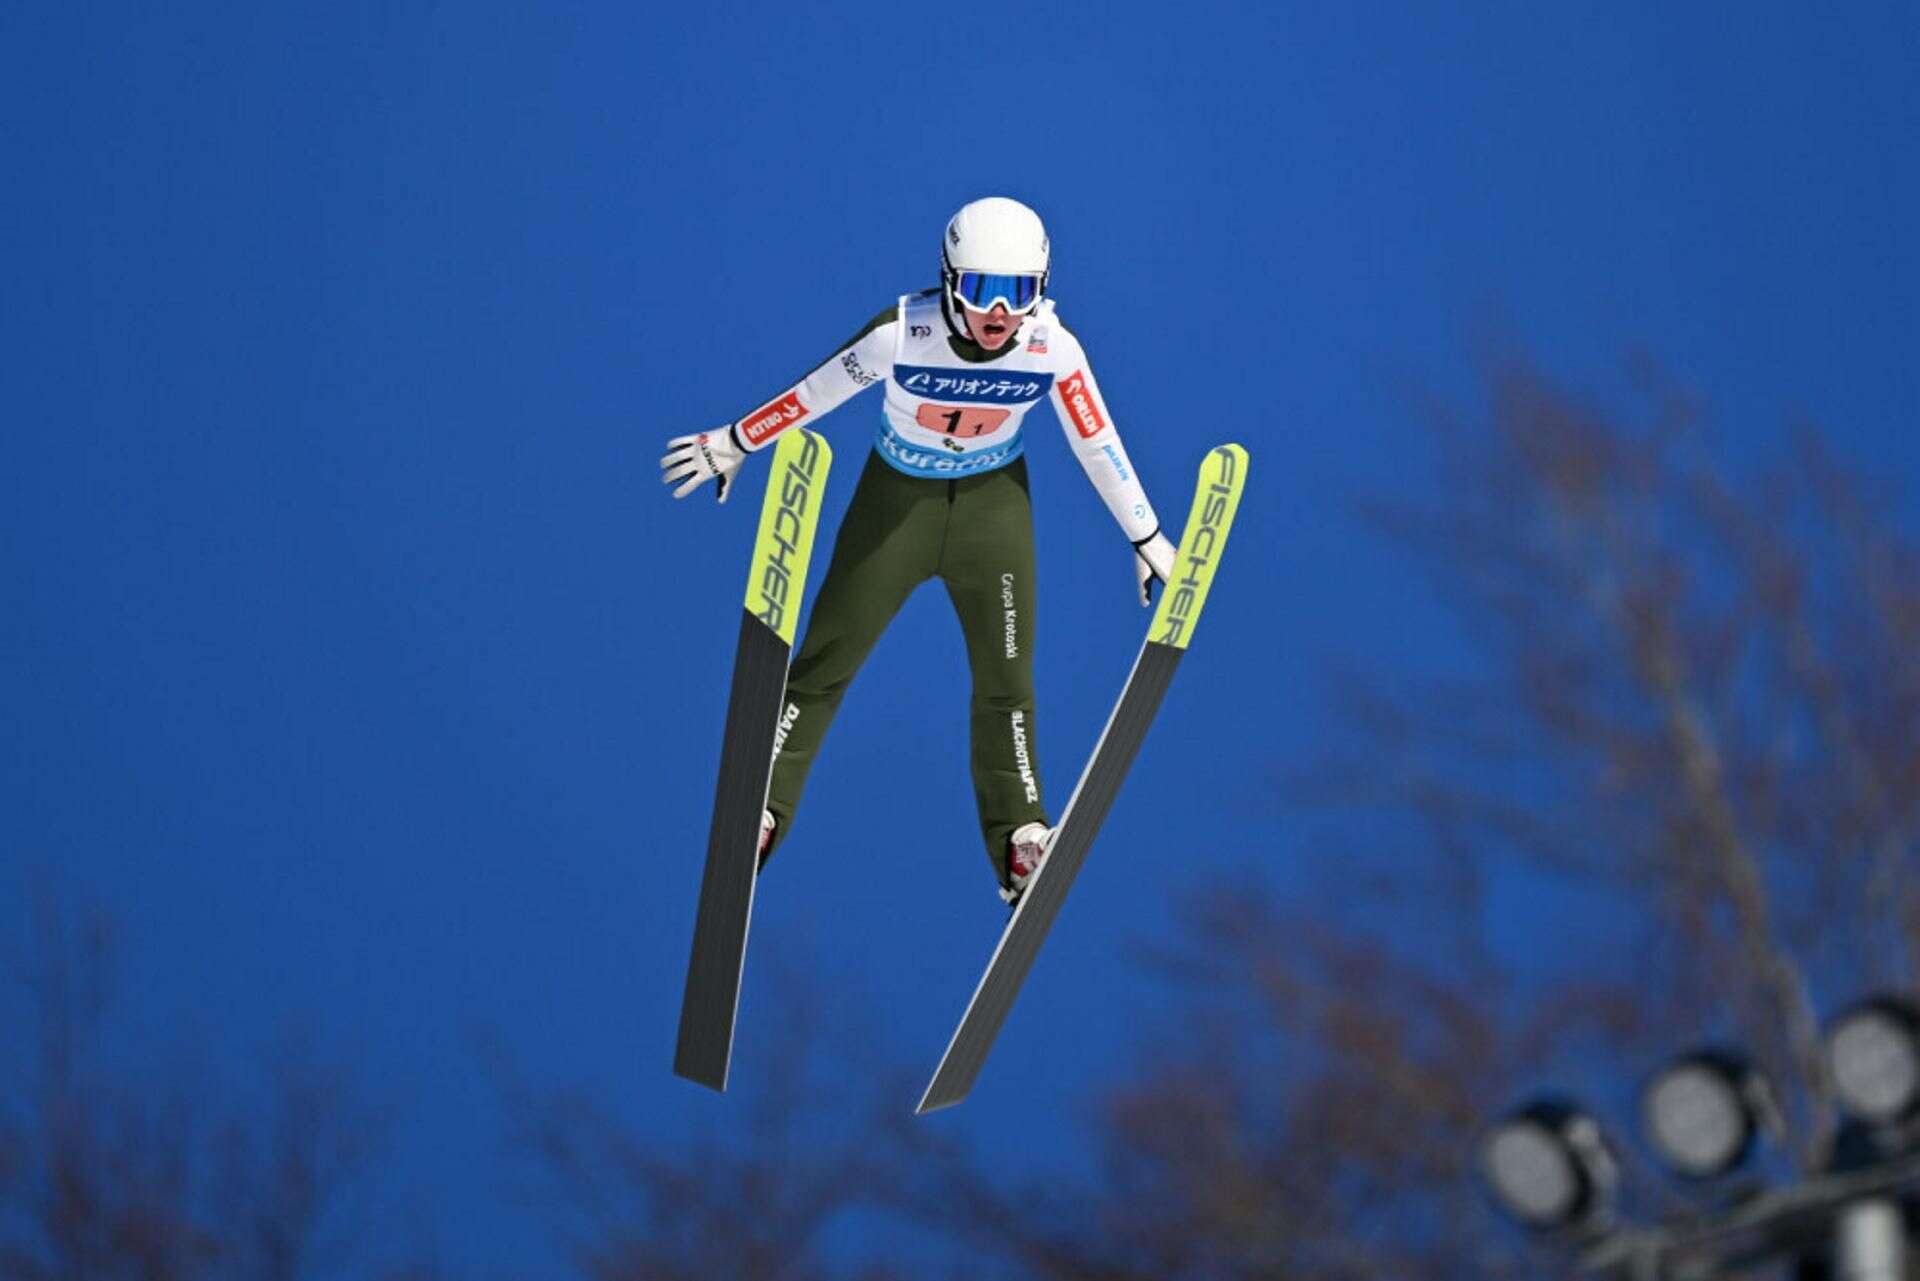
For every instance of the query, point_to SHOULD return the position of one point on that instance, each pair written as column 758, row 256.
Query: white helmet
column 1000, row 247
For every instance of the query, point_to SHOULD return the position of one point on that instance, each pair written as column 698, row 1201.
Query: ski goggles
column 980, row 290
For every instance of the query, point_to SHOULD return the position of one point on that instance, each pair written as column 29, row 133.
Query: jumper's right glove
column 694, row 460
column 1152, row 558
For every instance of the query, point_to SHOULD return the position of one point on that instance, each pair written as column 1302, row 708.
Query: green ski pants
column 974, row 533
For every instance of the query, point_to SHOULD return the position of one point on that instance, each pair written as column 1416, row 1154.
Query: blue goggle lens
column 980, row 290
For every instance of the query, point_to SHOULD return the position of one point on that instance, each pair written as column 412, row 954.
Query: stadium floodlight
column 1873, row 1052
column 1547, row 1166
column 1702, row 1112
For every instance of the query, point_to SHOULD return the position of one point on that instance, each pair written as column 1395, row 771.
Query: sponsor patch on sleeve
column 850, row 361
column 1078, row 398
column 772, row 418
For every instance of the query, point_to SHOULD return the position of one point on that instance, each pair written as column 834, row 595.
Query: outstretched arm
column 1096, row 443
column 861, row 361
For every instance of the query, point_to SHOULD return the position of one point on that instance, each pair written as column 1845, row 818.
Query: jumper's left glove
column 1152, row 558
column 695, row 460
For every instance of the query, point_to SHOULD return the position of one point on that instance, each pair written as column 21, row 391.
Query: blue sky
column 353, row 656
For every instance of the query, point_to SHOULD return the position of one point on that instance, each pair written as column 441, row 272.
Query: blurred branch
column 629, row 1206
column 104, row 1174
column 1655, row 634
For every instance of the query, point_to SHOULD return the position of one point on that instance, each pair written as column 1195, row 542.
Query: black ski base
column 1034, row 914
column 726, row 889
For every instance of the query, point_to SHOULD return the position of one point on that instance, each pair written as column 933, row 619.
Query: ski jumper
column 944, row 495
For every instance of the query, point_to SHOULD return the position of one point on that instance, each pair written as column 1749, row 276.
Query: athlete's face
column 991, row 329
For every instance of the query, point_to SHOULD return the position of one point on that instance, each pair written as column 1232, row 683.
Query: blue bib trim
column 941, row 464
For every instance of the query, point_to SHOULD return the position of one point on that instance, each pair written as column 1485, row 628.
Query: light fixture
column 1873, row 1052
column 1547, row 1166
column 1701, row 1113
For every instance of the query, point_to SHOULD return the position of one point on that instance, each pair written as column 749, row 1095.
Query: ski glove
column 1152, row 558
column 695, row 460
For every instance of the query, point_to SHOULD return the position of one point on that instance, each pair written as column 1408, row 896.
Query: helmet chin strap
column 958, row 329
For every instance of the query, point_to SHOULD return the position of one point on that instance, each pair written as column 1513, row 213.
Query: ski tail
column 789, row 515
column 783, row 548
column 1223, row 477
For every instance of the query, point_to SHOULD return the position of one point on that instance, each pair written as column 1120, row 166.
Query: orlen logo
column 1079, row 400
column 768, row 421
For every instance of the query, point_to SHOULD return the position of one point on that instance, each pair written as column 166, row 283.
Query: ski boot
column 1026, row 850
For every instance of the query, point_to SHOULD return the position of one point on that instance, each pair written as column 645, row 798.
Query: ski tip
column 1216, row 499
column 789, row 516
